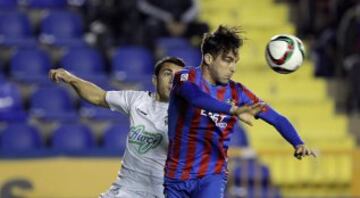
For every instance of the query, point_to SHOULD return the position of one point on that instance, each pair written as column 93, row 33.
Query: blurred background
column 52, row 144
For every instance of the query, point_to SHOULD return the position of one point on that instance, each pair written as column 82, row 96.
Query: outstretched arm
column 85, row 89
column 281, row 123
column 286, row 129
column 195, row 96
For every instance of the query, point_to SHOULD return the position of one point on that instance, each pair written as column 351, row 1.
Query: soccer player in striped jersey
column 200, row 130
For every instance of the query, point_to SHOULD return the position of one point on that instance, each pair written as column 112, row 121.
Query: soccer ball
column 285, row 53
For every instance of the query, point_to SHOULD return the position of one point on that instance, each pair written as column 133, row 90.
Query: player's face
column 164, row 80
column 223, row 66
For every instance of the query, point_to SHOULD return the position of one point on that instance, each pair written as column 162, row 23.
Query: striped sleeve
column 185, row 87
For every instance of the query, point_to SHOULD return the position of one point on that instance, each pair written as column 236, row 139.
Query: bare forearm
column 89, row 91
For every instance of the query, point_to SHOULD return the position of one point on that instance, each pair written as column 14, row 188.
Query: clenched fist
column 302, row 151
column 61, row 75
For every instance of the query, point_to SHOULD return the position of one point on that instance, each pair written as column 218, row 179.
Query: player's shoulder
column 131, row 93
column 142, row 94
column 185, row 70
column 245, row 91
column 238, row 85
column 186, row 73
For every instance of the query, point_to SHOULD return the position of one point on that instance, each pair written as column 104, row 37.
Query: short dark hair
column 223, row 40
column 161, row 62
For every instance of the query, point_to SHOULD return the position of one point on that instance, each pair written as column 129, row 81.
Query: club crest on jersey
column 142, row 140
column 184, row 77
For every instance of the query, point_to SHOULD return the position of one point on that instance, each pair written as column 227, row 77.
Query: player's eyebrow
column 167, row 69
column 230, row 58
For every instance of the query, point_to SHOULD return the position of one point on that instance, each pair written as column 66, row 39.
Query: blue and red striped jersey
column 199, row 139
column 200, row 124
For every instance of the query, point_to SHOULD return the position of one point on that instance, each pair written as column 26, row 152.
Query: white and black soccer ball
column 285, row 53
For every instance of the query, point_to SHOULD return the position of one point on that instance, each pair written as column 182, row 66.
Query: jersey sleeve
column 184, row 87
column 120, row 101
column 269, row 115
column 282, row 125
column 246, row 96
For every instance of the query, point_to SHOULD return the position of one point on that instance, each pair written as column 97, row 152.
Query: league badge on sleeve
column 184, row 77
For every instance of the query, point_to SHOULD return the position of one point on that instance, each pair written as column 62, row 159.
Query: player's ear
column 208, row 58
column 154, row 80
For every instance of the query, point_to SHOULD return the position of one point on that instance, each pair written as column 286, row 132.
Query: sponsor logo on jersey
column 217, row 118
column 144, row 141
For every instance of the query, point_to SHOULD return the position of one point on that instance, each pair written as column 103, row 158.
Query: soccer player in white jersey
column 142, row 170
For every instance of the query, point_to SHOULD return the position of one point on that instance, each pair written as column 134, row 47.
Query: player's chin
column 167, row 94
column 225, row 80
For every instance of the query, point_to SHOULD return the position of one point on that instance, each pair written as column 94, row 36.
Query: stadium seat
column 62, row 28
column 15, row 30
column 46, row 3
column 163, row 45
column 1, row 69
column 72, row 137
column 253, row 192
column 11, row 108
column 30, row 65
column 7, row 4
column 239, row 137
column 86, row 63
column 52, row 103
column 251, row 172
column 115, row 137
column 132, row 63
column 20, row 137
column 147, row 85
column 191, row 56
column 93, row 112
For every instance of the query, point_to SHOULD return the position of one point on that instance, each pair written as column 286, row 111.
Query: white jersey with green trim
column 147, row 141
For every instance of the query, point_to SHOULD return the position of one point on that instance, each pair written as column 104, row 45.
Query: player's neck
column 161, row 99
column 206, row 74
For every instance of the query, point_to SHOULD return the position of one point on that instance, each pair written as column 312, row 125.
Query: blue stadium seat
column 46, row 3
column 30, row 65
column 7, row 4
column 86, row 63
column 115, row 137
column 93, row 112
column 263, row 192
column 167, row 43
column 72, row 137
column 52, row 103
column 191, row 56
column 239, row 137
column 20, row 137
column 11, row 106
column 15, row 30
column 146, row 84
column 252, row 192
column 132, row 64
column 62, row 28
column 254, row 173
